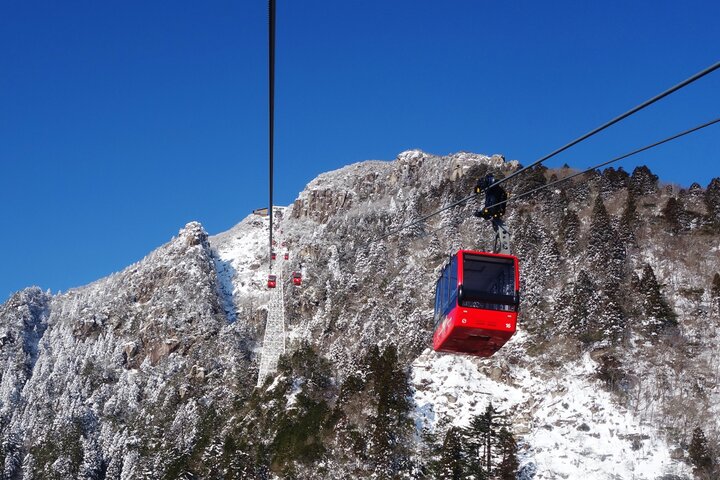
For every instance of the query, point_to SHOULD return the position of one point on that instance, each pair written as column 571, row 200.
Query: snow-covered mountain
column 151, row 372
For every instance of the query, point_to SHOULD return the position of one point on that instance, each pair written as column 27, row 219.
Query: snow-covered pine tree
column 628, row 219
column 558, row 204
column 569, row 231
column 643, row 181
column 600, row 236
column 611, row 319
column 715, row 293
column 658, row 313
column 605, row 252
column 390, row 424
column 11, row 455
column 579, row 307
column 712, row 202
column 671, row 215
column 452, row 463
column 507, row 451
column 614, row 180
column 483, row 438
column 532, row 179
column 700, row 455
column 549, row 261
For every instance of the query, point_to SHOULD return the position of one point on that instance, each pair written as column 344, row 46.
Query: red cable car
column 476, row 303
column 297, row 278
column 272, row 281
column 287, row 256
column 272, row 256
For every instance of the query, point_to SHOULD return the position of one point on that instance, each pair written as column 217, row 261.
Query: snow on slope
column 567, row 424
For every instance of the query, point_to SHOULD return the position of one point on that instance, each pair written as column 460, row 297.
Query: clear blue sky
column 122, row 121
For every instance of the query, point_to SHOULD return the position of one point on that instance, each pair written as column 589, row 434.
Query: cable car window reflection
column 488, row 283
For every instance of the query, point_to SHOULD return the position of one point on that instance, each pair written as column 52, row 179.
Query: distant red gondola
column 476, row 303
column 297, row 278
column 287, row 256
column 272, row 256
column 272, row 281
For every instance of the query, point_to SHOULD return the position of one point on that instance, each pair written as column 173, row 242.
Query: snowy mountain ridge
column 150, row 373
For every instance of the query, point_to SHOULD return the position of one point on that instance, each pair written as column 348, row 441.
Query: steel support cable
column 530, row 192
column 615, row 120
column 271, row 108
column 590, row 169
column 616, row 159
column 606, row 125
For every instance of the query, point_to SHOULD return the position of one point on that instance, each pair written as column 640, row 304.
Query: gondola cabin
column 287, row 256
column 297, row 278
column 273, row 256
column 476, row 303
column 272, row 281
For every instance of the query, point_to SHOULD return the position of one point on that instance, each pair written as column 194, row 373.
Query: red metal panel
column 474, row 331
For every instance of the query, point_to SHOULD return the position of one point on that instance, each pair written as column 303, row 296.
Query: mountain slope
column 150, row 373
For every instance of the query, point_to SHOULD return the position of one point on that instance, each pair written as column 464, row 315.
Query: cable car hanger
column 543, row 187
column 582, row 138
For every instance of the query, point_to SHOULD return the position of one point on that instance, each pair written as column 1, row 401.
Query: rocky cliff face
column 150, row 373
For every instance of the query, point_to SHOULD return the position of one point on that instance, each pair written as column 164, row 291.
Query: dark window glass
column 488, row 282
column 446, row 290
column 438, row 299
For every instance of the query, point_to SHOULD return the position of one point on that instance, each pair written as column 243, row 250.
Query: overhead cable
column 524, row 194
column 602, row 127
column 271, row 108
column 616, row 159
column 615, row 120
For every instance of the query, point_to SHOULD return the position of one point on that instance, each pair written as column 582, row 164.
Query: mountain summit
column 151, row 372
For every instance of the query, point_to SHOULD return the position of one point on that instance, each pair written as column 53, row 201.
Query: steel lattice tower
column 274, row 340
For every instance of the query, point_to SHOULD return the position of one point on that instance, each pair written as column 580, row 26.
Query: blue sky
column 122, row 121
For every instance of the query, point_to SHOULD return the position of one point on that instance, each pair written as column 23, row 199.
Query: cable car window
column 452, row 283
column 488, row 283
column 445, row 289
column 438, row 299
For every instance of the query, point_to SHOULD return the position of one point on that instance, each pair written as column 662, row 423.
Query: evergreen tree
column 600, row 235
column 606, row 253
column 657, row 310
column 534, row 178
column 643, row 181
column 611, row 371
column 699, row 452
column 11, row 453
column 580, row 304
column 570, row 231
column 629, row 219
column 671, row 215
column 615, row 179
column 712, row 201
column 715, row 292
column 483, row 439
column 452, row 464
column 390, row 425
column 507, row 451
column 611, row 319
column 549, row 260
column 558, row 204
column 712, row 196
